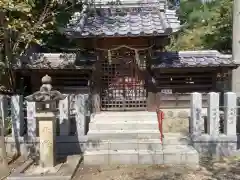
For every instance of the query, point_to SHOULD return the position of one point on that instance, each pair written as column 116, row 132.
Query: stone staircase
column 134, row 138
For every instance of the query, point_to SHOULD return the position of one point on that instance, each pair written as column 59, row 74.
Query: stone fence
column 73, row 117
column 205, row 134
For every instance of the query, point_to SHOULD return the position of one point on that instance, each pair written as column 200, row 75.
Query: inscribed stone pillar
column 3, row 111
column 80, row 108
column 4, row 168
column 64, row 117
column 47, row 134
column 17, row 115
column 213, row 114
column 31, row 121
column 230, row 115
column 196, row 120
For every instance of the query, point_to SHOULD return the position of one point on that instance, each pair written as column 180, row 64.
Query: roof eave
column 230, row 66
column 29, row 67
column 74, row 34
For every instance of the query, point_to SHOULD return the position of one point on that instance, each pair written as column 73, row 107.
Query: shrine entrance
column 123, row 82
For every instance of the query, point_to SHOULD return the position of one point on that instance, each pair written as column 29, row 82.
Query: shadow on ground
column 228, row 169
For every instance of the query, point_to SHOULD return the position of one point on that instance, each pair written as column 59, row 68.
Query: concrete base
column 134, row 138
column 215, row 147
column 62, row 171
column 177, row 155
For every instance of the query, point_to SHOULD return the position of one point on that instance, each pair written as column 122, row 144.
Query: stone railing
column 72, row 120
column 206, row 137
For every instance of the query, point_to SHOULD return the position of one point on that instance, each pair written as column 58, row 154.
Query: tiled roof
column 191, row 59
column 159, row 60
column 133, row 21
column 58, row 61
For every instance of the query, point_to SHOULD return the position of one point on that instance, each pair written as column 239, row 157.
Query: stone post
column 31, row 121
column 3, row 111
column 17, row 115
column 47, row 134
column 230, row 115
column 213, row 114
column 46, row 100
column 80, row 107
column 4, row 169
column 64, row 116
column 196, row 120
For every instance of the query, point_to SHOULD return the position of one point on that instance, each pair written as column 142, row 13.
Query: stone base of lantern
column 31, row 170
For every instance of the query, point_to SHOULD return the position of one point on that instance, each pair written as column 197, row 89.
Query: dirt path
column 225, row 170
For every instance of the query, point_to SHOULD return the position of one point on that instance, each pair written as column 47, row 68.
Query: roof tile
column 124, row 21
column 160, row 60
column 191, row 59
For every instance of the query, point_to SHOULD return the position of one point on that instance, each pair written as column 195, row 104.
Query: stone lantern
column 46, row 102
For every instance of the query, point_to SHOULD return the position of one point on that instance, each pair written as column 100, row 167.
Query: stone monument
column 46, row 100
column 49, row 165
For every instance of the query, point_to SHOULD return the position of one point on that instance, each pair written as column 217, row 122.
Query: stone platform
column 64, row 170
column 134, row 138
column 179, row 155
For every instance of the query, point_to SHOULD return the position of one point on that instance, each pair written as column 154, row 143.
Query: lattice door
column 123, row 83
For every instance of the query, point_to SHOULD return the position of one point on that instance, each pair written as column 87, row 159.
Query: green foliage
column 8, row 126
column 205, row 26
column 27, row 22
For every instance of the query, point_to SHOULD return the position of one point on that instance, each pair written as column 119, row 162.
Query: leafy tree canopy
column 27, row 22
column 205, row 26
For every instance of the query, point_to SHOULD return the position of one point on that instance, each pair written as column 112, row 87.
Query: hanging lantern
column 109, row 57
column 137, row 58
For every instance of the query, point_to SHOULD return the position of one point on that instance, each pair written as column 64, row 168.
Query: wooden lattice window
column 70, row 82
column 185, row 82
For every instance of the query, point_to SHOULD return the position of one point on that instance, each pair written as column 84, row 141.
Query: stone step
column 123, row 134
column 129, row 144
column 126, row 113
column 124, row 116
column 124, row 125
column 132, row 137
column 185, row 155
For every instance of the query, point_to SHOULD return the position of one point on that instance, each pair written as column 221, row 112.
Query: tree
column 27, row 22
column 220, row 35
column 203, row 27
column 4, row 169
column 22, row 24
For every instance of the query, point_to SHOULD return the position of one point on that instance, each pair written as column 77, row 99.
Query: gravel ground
column 227, row 169
column 14, row 162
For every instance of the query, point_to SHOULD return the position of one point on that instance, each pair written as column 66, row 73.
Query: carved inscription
column 231, row 115
column 46, row 130
column 215, row 120
column 46, row 143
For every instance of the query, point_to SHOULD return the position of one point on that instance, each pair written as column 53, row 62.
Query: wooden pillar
column 151, row 92
column 96, row 87
column 151, row 98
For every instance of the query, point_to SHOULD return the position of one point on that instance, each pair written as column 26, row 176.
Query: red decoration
column 160, row 117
